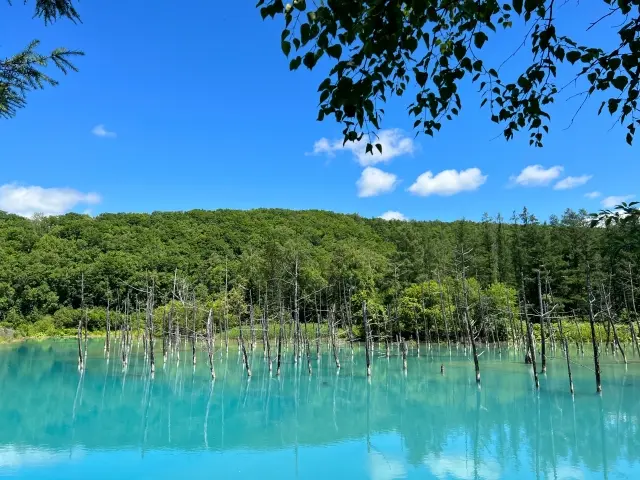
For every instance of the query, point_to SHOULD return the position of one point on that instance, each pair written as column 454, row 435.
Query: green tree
column 26, row 70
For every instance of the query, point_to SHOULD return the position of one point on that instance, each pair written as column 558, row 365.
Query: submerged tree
column 25, row 71
column 380, row 48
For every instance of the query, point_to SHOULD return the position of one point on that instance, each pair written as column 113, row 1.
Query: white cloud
column 27, row 200
column 374, row 181
column 393, row 215
column 569, row 472
column 461, row 467
column 592, row 194
column 394, row 144
column 101, row 131
column 537, row 176
column 448, row 182
column 572, row 182
column 12, row 457
column 613, row 200
column 383, row 468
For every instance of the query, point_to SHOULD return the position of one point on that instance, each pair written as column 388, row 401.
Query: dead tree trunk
column 244, row 350
column 152, row 358
column 80, row 355
column 225, row 313
column 165, row 336
column 280, row 338
column 264, row 335
column 566, row 352
column 610, row 317
column 145, row 335
column 266, row 330
column 211, row 343
column 347, row 313
column 253, row 332
column 125, row 334
column 193, row 333
column 177, row 343
column 473, row 342
column 632, row 330
column 332, row 334
column 444, row 315
column 530, row 339
column 579, row 332
column 633, row 297
column 594, row 342
column 307, row 346
column 427, row 336
column 86, row 334
column 297, row 314
column 467, row 321
column 318, row 315
column 107, row 339
column 511, row 321
column 404, row 353
column 172, row 334
column 366, row 337
column 542, row 332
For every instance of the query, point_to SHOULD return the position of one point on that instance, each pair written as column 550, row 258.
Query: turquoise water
column 56, row 423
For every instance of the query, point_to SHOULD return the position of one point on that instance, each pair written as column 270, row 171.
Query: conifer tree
column 27, row 70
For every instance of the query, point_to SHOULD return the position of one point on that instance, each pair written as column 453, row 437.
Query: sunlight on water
column 106, row 423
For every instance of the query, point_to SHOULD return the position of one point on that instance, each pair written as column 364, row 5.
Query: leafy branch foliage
column 380, row 48
column 26, row 70
column 623, row 213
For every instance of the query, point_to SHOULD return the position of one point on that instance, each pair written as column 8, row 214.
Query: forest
column 413, row 275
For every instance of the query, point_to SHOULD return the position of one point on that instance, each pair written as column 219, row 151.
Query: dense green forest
column 417, row 273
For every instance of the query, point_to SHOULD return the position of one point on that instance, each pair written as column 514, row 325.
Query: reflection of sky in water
column 422, row 426
column 15, row 457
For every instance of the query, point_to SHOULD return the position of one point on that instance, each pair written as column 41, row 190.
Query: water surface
column 106, row 423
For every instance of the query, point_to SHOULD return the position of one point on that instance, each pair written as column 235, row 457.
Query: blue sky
column 184, row 105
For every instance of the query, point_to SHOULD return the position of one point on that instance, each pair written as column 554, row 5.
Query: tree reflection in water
column 422, row 425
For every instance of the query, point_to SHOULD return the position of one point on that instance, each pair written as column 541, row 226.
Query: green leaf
column 309, row 60
column 613, row 105
column 379, row 147
column 421, row 78
column 411, row 43
column 459, row 51
column 479, row 38
column 300, row 4
column 334, row 51
column 305, row 33
column 286, row 47
column 530, row 5
column 614, row 63
column 625, row 6
column 517, row 6
column 295, row 63
column 620, row 82
column 573, row 56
